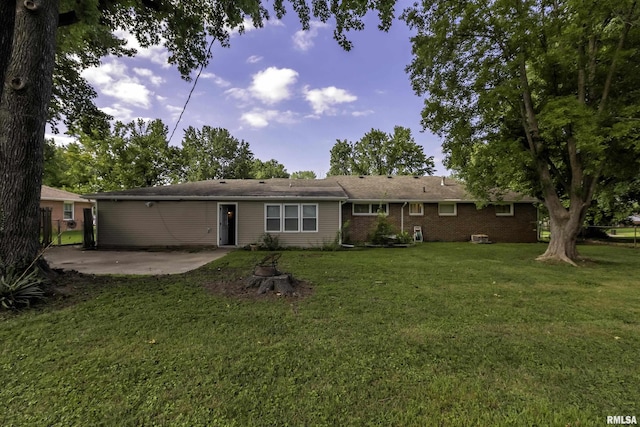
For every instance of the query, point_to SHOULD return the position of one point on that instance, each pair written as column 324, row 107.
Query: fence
column 628, row 234
column 61, row 232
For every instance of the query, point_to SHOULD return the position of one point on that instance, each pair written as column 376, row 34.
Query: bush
column 270, row 242
column 20, row 289
column 382, row 230
column 405, row 238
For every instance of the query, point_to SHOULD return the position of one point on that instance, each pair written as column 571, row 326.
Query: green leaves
column 19, row 289
column 213, row 153
column 379, row 153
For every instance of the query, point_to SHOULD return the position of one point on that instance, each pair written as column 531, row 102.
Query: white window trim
column 300, row 218
column 510, row 213
column 373, row 209
column 421, row 213
column 73, row 209
column 455, row 209
column 266, row 207
column 302, row 205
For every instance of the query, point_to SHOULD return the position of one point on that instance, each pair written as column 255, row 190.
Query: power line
column 195, row 82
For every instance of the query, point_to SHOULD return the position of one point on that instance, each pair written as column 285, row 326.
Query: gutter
column 402, row 217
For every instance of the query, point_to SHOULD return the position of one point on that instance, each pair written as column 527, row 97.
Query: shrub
column 382, row 230
column 20, row 289
column 405, row 238
column 270, row 242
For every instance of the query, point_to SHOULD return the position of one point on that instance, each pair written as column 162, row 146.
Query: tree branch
column 612, row 68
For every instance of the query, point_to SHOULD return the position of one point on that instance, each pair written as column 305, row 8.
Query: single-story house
column 304, row 212
column 66, row 207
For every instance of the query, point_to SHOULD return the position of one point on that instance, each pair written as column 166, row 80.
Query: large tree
column 380, row 153
column 134, row 154
column 213, row 153
column 532, row 95
column 269, row 169
column 28, row 41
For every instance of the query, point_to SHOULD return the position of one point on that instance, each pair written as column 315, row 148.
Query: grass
column 437, row 334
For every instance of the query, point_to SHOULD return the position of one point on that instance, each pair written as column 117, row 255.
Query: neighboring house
column 66, row 207
column 304, row 213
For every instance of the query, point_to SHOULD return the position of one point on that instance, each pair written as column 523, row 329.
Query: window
column 416, row 209
column 287, row 218
column 370, row 208
column 361, row 209
column 447, row 209
column 309, row 217
column 291, row 213
column 504, row 209
column 67, row 211
column 272, row 218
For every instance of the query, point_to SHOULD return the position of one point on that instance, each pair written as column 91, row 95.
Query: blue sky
column 289, row 93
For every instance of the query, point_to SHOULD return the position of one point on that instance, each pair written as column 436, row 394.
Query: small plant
column 270, row 242
column 19, row 289
column 404, row 238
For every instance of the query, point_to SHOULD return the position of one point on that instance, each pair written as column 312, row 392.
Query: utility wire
column 195, row 82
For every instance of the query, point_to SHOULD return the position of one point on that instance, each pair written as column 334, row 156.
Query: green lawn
column 437, row 334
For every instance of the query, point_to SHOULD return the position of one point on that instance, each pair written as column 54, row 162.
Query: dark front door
column 227, row 225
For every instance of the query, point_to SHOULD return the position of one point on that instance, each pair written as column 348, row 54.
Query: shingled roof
column 280, row 188
column 410, row 188
column 363, row 188
column 54, row 194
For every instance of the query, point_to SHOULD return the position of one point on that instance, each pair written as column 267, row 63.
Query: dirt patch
column 232, row 282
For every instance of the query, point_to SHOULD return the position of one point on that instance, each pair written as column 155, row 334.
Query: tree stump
column 282, row 284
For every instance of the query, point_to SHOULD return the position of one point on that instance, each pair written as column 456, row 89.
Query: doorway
column 227, row 224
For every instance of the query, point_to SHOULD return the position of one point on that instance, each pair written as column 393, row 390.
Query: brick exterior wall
column 519, row 228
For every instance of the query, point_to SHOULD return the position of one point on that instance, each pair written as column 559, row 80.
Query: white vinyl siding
column 447, row 209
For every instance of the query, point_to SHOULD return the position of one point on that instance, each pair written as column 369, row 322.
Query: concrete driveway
column 129, row 262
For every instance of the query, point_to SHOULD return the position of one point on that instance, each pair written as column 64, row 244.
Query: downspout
column 402, row 217
column 340, row 203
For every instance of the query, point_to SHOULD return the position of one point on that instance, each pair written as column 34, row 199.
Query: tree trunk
column 23, row 113
column 565, row 226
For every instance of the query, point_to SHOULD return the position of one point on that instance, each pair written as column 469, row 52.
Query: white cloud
column 269, row 86
column 119, row 112
column 156, row 54
column 273, row 84
column 248, row 26
column 238, row 93
column 149, row 75
column 216, row 79
column 254, row 58
column 175, row 111
column 362, row 113
column 259, row 118
column 303, row 40
column 323, row 100
column 113, row 79
column 60, row 140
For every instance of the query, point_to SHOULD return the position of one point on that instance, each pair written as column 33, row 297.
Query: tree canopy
column 532, row 95
column 380, row 153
